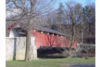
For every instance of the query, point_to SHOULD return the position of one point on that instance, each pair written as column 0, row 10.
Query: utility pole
column 82, row 37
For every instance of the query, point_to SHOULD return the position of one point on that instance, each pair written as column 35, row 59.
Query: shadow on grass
column 19, row 60
column 51, row 57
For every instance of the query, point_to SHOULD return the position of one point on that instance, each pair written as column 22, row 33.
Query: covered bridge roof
column 40, row 29
column 50, row 31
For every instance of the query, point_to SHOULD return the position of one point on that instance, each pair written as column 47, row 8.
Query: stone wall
column 16, row 48
column 85, row 50
column 85, row 47
column 9, row 48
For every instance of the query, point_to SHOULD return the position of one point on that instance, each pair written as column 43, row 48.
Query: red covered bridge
column 43, row 37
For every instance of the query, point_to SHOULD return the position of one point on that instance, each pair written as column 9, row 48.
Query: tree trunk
column 28, row 39
column 28, row 44
column 70, row 50
column 69, row 53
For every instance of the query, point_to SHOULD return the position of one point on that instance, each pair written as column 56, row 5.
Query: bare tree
column 28, row 9
column 74, row 24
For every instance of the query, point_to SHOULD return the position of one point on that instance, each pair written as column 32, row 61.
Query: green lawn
column 58, row 62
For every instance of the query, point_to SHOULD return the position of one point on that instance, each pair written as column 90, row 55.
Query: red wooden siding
column 45, row 40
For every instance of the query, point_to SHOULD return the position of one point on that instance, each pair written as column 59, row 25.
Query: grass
column 58, row 62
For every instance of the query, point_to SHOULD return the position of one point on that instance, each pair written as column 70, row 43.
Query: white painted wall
column 16, row 48
column 9, row 48
column 13, row 33
column 33, row 48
